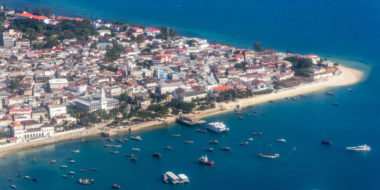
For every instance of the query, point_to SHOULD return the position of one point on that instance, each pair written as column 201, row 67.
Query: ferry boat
column 86, row 181
column 217, row 127
column 115, row 186
column 75, row 151
column 170, row 177
column 359, row 148
column 136, row 138
column 204, row 161
column 281, row 140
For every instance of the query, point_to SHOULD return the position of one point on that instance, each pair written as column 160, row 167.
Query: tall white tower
column 103, row 100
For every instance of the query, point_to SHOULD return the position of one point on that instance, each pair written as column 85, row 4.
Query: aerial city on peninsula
column 74, row 79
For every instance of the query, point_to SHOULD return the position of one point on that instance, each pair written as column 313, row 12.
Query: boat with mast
column 268, row 153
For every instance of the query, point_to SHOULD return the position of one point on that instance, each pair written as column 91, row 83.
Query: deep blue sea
column 344, row 30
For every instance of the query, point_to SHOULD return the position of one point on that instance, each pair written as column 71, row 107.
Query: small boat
column 34, row 160
column 129, row 155
column 82, row 170
column 86, row 181
column 27, row 177
column 156, row 155
column 250, row 139
column 264, row 114
column 201, row 131
column 209, row 149
column 71, row 172
column 213, row 142
column 257, row 133
column 226, row 148
column 136, row 149
column 253, row 115
column 134, row 159
column 330, row 93
column 75, row 151
column 241, row 118
column 269, row 155
column 69, row 158
column 35, row 180
column 9, row 179
column 94, row 169
column 114, row 152
column 350, row 89
column 169, row 148
column 326, row 142
column 303, row 96
column 64, row 166
column 176, row 135
column 271, row 101
column 52, row 161
column 64, row 176
column 122, row 140
column 204, row 161
column 281, row 140
column 72, row 161
column 359, row 148
column 109, row 139
column 115, row 186
column 136, row 138
column 13, row 187
column 244, row 143
column 335, row 103
column 18, row 175
column 188, row 142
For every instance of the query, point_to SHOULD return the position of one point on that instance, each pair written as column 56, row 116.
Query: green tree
column 257, row 47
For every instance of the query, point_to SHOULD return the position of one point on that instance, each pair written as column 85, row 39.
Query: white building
column 58, row 83
column 55, row 110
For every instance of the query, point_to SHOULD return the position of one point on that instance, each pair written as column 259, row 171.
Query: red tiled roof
column 222, row 88
column 29, row 15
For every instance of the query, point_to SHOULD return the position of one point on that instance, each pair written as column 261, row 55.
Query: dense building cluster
column 39, row 85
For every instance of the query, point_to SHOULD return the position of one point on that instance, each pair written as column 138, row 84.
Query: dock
column 189, row 121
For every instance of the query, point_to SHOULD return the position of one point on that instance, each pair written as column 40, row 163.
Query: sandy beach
column 347, row 77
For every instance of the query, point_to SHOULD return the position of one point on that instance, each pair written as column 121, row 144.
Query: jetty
column 189, row 121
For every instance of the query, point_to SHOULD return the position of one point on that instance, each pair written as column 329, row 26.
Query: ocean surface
column 342, row 30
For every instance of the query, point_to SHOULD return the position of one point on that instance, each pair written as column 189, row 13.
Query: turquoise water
column 342, row 29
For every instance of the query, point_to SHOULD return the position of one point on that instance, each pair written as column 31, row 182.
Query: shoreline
column 347, row 77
